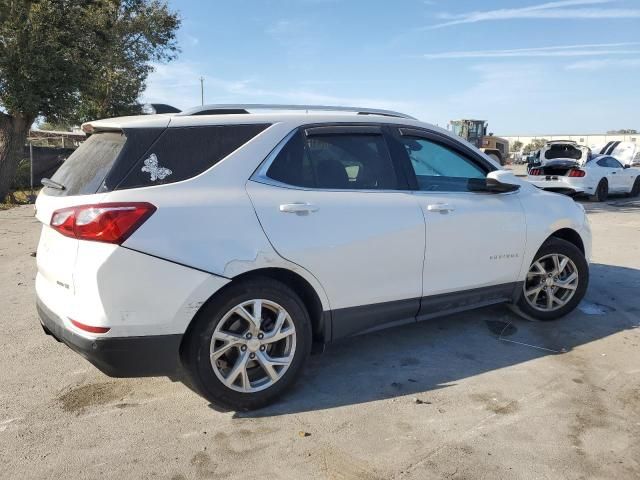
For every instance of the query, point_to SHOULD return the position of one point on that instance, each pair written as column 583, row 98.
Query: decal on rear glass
column 151, row 166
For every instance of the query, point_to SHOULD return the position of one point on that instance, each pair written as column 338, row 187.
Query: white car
column 563, row 150
column 627, row 153
column 599, row 176
column 224, row 244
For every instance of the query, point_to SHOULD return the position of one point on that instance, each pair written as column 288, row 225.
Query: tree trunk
column 13, row 135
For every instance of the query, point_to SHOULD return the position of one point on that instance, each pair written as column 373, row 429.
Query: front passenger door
column 475, row 241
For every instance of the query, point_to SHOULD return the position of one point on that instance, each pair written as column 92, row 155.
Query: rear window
column 84, row 171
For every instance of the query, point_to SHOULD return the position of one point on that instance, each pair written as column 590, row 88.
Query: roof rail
column 227, row 109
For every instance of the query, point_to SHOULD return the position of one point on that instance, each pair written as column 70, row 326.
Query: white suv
column 226, row 244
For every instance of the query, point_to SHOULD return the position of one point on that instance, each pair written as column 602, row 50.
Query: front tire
column 249, row 344
column 556, row 281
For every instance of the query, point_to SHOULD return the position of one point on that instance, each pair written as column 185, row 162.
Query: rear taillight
column 536, row 171
column 576, row 172
column 102, row 222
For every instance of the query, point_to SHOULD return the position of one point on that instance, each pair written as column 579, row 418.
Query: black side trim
column 344, row 130
column 148, row 356
column 367, row 318
column 446, row 303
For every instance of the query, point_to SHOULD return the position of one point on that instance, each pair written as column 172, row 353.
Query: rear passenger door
column 332, row 200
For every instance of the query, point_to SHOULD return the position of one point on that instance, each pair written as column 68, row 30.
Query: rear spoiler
column 121, row 123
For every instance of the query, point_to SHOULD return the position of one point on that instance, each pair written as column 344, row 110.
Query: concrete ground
column 482, row 394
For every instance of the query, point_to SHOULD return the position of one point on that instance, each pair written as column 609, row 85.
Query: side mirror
column 498, row 181
column 490, row 185
column 626, row 166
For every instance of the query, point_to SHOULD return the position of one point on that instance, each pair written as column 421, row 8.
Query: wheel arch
column 570, row 235
column 320, row 319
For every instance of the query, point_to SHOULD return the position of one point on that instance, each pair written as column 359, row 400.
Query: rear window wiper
column 47, row 182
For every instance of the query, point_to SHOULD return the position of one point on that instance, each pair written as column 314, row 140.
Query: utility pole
column 202, row 90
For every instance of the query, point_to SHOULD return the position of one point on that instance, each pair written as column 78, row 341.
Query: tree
column 135, row 34
column 536, row 144
column 55, row 126
column 516, row 146
column 68, row 60
column 624, row 131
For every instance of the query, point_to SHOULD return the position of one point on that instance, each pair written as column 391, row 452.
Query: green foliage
column 78, row 59
column 536, row 144
column 134, row 34
column 516, row 146
column 623, row 131
column 22, row 179
column 74, row 60
column 45, row 49
column 55, row 127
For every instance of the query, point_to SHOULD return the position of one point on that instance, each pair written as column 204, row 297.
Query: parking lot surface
column 482, row 394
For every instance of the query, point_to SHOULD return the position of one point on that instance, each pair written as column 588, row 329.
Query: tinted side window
column 439, row 168
column 613, row 163
column 292, row 166
column 182, row 153
column 609, row 162
column 336, row 161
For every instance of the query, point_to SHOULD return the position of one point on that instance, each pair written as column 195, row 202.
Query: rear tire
column 635, row 190
column 556, row 282
column 242, row 348
column 602, row 191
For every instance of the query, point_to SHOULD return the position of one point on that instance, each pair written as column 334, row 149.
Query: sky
column 529, row 67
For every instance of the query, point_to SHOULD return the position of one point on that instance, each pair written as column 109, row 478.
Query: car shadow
column 618, row 204
column 419, row 358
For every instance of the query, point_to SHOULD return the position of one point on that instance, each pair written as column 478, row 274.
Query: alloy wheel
column 253, row 345
column 551, row 282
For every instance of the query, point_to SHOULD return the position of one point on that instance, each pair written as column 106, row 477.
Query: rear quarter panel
column 208, row 222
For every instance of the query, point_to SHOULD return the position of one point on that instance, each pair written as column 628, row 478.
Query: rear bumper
column 147, row 356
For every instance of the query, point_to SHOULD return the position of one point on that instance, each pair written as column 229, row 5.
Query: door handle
column 299, row 208
column 440, row 207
